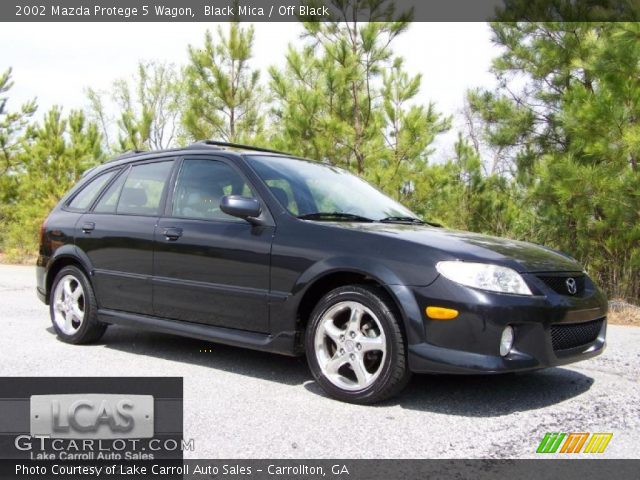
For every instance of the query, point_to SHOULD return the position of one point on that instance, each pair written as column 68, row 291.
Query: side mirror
column 247, row 208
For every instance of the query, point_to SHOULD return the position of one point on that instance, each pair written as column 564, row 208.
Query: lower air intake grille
column 565, row 336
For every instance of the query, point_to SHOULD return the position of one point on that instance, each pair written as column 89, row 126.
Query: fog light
column 506, row 341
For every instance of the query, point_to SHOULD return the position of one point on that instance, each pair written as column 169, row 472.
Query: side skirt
column 282, row 343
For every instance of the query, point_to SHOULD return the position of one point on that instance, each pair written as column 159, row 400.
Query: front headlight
column 484, row 276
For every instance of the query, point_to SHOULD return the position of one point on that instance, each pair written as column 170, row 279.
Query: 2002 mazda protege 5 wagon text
column 255, row 248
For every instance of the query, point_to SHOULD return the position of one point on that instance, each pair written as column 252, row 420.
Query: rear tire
column 355, row 346
column 73, row 308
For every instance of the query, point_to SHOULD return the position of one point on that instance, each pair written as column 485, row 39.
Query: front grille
column 558, row 283
column 565, row 336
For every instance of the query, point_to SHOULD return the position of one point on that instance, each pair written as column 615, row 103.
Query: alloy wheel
column 69, row 305
column 350, row 345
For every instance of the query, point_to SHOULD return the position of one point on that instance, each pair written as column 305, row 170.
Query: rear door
column 209, row 267
column 117, row 236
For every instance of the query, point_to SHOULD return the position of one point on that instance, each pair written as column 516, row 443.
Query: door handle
column 172, row 234
column 88, row 227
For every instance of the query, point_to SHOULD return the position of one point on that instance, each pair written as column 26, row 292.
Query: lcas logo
column 97, row 416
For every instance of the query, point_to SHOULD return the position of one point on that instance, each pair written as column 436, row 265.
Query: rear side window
column 137, row 192
column 142, row 191
column 85, row 197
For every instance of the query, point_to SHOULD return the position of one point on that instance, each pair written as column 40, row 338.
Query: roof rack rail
column 127, row 154
column 217, row 143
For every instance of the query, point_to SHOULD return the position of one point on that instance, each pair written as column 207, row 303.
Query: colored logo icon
column 574, row 442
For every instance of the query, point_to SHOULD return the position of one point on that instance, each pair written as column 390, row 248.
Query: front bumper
column 470, row 343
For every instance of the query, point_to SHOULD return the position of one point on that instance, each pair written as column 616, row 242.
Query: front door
column 210, row 267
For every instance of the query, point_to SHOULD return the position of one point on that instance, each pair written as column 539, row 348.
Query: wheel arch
column 329, row 275
column 327, row 282
column 332, row 273
column 63, row 258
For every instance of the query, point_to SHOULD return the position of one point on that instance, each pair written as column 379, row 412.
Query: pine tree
column 55, row 153
column 409, row 131
column 12, row 128
column 344, row 98
column 565, row 115
column 147, row 109
column 223, row 97
column 332, row 80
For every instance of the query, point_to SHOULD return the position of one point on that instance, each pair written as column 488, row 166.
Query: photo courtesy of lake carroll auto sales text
column 319, row 239
column 186, row 469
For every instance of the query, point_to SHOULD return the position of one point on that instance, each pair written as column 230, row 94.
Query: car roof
column 206, row 146
column 202, row 147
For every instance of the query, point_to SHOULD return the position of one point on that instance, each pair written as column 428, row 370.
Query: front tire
column 73, row 308
column 355, row 346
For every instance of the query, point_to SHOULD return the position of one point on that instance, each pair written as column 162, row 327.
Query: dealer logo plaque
column 91, row 415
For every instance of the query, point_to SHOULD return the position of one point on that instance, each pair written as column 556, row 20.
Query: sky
column 56, row 62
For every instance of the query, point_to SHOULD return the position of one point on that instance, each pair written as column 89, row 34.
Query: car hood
column 467, row 246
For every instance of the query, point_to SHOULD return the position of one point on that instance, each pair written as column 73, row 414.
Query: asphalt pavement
column 245, row 404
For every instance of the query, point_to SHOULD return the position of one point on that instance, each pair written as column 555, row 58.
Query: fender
column 64, row 252
column 284, row 314
column 362, row 265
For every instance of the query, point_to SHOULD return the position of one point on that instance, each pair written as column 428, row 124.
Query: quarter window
column 109, row 200
column 201, row 185
column 89, row 192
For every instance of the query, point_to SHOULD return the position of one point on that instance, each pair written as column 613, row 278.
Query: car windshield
column 316, row 191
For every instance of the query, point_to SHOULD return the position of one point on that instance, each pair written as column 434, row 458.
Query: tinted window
column 281, row 188
column 109, row 200
column 89, row 192
column 143, row 189
column 200, row 186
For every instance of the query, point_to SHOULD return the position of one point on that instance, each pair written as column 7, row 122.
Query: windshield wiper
column 334, row 216
column 411, row 220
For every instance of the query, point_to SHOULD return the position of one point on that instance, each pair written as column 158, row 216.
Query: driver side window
column 200, row 186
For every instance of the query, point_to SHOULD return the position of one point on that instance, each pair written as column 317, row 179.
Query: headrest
column 133, row 197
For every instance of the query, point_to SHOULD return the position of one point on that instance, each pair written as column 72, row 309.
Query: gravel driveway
column 244, row 404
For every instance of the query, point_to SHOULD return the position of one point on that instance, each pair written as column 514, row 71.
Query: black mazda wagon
column 255, row 248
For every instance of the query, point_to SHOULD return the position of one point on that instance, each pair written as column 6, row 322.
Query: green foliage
column 565, row 119
column 12, row 127
column 148, row 109
column 408, row 132
column 223, row 97
column 343, row 97
column 458, row 194
column 55, row 153
column 550, row 155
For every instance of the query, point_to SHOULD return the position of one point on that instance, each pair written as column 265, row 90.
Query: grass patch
column 623, row 313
